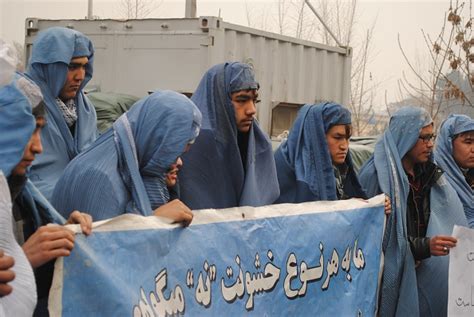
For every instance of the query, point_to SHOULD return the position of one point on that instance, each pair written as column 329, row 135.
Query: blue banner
column 318, row 258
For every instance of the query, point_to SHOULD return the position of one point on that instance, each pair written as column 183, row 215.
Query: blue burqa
column 304, row 165
column 125, row 169
column 52, row 51
column 443, row 154
column 16, row 126
column 213, row 174
column 384, row 172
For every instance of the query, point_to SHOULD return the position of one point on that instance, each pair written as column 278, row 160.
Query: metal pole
column 89, row 9
column 190, row 11
column 322, row 22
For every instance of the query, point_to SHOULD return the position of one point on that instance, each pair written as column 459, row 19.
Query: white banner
column 461, row 274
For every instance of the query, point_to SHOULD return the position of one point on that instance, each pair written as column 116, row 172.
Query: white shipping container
column 137, row 56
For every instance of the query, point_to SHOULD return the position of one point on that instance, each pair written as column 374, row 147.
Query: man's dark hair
column 347, row 128
column 40, row 110
column 466, row 133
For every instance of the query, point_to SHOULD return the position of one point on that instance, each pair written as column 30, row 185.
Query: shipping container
column 138, row 56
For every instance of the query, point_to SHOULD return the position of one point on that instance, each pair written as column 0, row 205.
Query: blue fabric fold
column 125, row 169
column 405, row 291
column 52, row 52
column 213, row 174
column 304, row 164
column 40, row 209
column 452, row 126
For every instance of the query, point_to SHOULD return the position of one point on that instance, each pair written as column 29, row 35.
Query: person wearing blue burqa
column 61, row 65
column 231, row 163
column 314, row 163
column 454, row 153
column 33, row 214
column 125, row 170
column 17, row 283
column 425, row 208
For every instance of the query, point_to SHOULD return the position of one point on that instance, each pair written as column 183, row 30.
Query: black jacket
column 469, row 175
column 418, row 208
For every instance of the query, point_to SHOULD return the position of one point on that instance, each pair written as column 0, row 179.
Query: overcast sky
column 406, row 18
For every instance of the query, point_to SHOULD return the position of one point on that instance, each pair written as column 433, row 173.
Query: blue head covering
column 125, row 169
column 384, row 173
column 16, row 126
column 52, row 52
column 451, row 127
column 304, row 164
column 213, row 174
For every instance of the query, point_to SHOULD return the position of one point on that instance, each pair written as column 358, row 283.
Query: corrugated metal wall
column 141, row 55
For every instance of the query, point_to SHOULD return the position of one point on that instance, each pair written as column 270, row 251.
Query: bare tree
column 363, row 89
column 137, row 9
column 258, row 19
column 341, row 18
column 283, row 7
column 293, row 18
column 446, row 85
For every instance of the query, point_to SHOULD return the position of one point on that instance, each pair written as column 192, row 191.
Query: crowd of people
column 55, row 169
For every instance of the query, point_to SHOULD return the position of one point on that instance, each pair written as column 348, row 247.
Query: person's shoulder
column 85, row 172
column 94, row 172
column 430, row 172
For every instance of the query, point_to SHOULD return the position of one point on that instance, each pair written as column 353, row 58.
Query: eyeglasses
column 427, row 138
